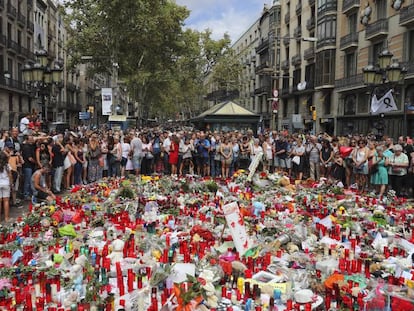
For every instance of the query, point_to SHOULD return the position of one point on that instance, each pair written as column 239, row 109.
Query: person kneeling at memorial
column 38, row 183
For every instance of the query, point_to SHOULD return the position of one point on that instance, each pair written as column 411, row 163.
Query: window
column 310, row 76
column 349, row 105
column 325, row 68
column 285, row 107
column 296, row 77
column 327, row 103
column 353, row 23
column 325, row 5
column 326, row 30
column 296, row 104
column 350, row 65
column 364, row 103
column 381, row 7
column 376, row 49
column 410, row 43
column 10, row 66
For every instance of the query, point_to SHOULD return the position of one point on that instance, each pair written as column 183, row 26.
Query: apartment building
column 308, row 45
column 256, row 49
column 367, row 29
column 16, row 47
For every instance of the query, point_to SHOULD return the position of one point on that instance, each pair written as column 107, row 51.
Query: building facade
column 367, row 29
column 313, row 52
column 16, row 47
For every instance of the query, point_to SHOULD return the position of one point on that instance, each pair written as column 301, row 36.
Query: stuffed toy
column 117, row 251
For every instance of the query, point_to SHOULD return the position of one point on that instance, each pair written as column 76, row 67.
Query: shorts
column 283, row 163
column 136, row 162
column 41, row 195
column 4, row 191
column 362, row 170
column 124, row 161
column 203, row 161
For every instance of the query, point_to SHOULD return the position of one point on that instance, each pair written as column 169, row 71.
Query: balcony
column 297, row 33
column 311, row 3
column 350, row 41
column 354, row 81
column 262, row 90
column 309, row 53
column 263, row 68
column 330, row 6
column 30, row 26
column 297, row 60
column 349, row 6
column 310, row 23
column 326, row 43
column 285, row 65
column 285, row 91
column 299, row 8
column 11, row 11
column 377, row 29
column 264, row 45
column 407, row 16
column 3, row 40
column 286, row 40
column 21, row 19
column 287, row 18
column 13, row 46
column 11, row 83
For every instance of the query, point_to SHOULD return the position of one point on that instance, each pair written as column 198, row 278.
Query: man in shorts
column 40, row 191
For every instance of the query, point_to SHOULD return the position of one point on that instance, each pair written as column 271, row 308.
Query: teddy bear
column 117, row 251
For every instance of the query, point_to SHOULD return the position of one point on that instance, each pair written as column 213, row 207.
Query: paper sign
column 237, row 229
column 180, row 270
column 254, row 164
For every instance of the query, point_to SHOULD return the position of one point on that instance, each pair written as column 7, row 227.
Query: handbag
column 149, row 155
column 296, row 160
column 373, row 168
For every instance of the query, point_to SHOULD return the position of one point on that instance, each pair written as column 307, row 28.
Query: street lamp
column 42, row 80
column 382, row 78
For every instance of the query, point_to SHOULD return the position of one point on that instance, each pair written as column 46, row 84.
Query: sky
column 223, row 16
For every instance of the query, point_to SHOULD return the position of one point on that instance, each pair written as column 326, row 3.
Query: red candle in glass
column 131, row 278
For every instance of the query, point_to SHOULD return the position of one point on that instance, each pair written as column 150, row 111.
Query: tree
column 163, row 65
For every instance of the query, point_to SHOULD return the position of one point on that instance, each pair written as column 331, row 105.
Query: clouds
column 223, row 16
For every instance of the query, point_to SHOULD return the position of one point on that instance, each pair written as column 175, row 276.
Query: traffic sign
column 84, row 115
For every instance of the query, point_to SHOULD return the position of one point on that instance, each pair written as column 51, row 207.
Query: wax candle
column 131, row 278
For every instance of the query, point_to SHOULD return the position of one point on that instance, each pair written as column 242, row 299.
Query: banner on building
column 385, row 104
column 106, row 101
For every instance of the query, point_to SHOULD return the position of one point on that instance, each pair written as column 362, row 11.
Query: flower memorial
column 191, row 243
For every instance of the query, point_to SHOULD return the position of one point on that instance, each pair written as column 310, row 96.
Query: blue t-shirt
column 203, row 146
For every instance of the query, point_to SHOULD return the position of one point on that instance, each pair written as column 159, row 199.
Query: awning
column 117, row 118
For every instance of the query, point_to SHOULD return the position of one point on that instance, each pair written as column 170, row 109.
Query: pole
column 405, row 129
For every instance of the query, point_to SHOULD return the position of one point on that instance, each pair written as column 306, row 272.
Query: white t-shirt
column 126, row 148
column 24, row 125
column 4, row 176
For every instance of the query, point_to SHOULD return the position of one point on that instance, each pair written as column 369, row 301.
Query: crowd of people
column 40, row 166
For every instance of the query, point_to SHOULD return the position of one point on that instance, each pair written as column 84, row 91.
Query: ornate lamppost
column 43, row 81
column 381, row 78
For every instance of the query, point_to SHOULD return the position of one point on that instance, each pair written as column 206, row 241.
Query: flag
column 385, row 104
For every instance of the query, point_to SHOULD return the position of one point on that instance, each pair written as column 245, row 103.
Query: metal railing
column 350, row 4
column 21, row 18
column 352, row 81
column 287, row 18
column 377, row 28
column 30, row 26
column 286, row 40
column 349, row 40
column 285, row 65
column 310, row 23
column 11, row 83
column 299, row 7
column 297, row 60
column 407, row 14
column 11, row 10
column 309, row 53
column 262, row 46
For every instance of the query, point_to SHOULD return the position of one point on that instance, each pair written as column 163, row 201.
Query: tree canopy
column 162, row 63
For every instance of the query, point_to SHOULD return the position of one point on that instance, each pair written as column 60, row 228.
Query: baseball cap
column 9, row 144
